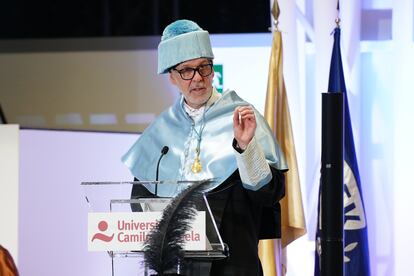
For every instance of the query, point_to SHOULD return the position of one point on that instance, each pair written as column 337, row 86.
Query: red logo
column 102, row 226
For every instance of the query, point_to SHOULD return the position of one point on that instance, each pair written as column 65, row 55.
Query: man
column 214, row 136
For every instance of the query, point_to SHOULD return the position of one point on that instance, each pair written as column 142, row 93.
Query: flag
column 356, row 254
column 278, row 116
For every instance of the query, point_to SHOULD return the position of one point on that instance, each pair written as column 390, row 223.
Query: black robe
column 243, row 217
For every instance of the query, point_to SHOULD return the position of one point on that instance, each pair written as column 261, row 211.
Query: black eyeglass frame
column 210, row 64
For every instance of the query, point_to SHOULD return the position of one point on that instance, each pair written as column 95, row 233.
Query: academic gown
column 243, row 215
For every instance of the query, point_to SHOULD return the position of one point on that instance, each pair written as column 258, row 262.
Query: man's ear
column 171, row 78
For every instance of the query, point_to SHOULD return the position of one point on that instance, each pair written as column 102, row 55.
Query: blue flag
column 356, row 251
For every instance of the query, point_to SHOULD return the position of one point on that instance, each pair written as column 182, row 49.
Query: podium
column 112, row 211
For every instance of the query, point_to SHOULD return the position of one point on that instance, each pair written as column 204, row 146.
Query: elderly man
column 213, row 135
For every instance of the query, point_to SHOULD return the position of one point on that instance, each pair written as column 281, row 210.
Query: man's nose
column 197, row 76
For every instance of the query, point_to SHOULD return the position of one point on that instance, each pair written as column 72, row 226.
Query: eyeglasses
column 188, row 73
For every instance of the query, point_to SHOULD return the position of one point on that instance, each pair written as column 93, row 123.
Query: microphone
column 164, row 151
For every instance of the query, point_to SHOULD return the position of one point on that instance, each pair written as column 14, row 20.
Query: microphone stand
column 163, row 152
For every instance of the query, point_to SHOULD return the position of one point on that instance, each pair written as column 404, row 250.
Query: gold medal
column 196, row 167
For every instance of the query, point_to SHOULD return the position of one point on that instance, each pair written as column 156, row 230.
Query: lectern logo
column 102, row 226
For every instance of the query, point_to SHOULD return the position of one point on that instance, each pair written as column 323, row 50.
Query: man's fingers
column 243, row 113
column 236, row 117
column 246, row 114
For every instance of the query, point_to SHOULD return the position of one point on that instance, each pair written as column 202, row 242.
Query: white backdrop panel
column 53, row 211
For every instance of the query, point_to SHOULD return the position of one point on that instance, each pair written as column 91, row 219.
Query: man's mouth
column 197, row 89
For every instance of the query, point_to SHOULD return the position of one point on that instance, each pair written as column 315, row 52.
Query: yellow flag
column 278, row 116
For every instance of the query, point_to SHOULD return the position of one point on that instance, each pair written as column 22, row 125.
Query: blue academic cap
column 182, row 40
